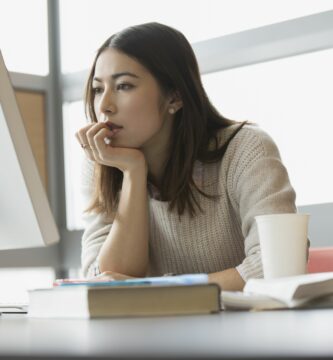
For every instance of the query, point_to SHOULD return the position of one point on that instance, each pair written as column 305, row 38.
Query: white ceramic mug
column 283, row 243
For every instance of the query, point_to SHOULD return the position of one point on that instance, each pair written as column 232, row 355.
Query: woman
column 175, row 185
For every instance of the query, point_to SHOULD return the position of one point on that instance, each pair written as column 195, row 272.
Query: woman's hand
column 109, row 276
column 91, row 138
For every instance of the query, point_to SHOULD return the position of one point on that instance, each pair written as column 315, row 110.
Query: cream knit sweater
column 251, row 180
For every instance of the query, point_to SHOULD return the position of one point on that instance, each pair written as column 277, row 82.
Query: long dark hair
column 169, row 57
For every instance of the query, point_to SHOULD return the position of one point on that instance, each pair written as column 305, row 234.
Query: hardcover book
column 143, row 297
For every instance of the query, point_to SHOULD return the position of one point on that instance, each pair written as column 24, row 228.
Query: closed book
column 118, row 301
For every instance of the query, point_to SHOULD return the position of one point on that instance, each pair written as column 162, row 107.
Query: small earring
column 171, row 111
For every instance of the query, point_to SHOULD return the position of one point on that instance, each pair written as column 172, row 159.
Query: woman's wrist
column 139, row 171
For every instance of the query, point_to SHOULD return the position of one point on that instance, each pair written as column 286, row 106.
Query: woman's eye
column 124, row 86
column 97, row 90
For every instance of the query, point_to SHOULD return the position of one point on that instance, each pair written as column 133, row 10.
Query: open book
column 309, row 290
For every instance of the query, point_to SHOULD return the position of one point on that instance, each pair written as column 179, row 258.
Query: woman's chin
column 120, row 144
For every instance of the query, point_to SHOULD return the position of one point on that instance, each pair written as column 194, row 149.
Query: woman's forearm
column 125, row 250
column 227, row 279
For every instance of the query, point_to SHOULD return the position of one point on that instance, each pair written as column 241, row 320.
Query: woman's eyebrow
column 117, row 75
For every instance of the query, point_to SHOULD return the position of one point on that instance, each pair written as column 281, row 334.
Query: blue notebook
column 186, row 279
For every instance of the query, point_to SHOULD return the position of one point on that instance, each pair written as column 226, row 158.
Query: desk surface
column 240, row 335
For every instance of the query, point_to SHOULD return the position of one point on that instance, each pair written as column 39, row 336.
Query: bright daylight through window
column 25, row 50
column 282, row 96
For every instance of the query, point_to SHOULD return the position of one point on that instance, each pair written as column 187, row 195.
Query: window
column 291, row 99
column 98, row 20
column 74, row 119
column 278, row 95
column 23, row 35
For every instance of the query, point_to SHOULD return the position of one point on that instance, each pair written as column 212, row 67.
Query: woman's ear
column 175, row 103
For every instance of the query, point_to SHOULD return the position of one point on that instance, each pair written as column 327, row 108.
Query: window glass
column 74, row 119
column 24, row 35
column 95, row 20
column 291, row 99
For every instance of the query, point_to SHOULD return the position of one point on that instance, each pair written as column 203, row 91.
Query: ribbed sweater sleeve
column 96, row 226
column 259, row 184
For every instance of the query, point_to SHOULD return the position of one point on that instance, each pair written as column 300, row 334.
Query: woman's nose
column 107, row 104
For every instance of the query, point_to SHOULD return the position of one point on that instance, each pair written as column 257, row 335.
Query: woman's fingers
column 100, row 142
column 91, row 133
column 86, row 138
column 95, row 137
column 111, row 275
column 81, row 136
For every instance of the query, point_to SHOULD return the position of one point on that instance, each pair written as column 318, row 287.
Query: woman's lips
column 112, row 126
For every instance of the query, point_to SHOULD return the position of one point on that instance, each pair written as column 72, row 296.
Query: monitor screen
column 26, row 219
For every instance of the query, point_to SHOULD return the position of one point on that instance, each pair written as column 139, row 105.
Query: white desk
column 240, row 335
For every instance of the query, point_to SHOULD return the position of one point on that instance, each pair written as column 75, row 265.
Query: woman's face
column 127, row 95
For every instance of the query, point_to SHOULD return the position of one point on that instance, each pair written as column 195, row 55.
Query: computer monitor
column 26, row 219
